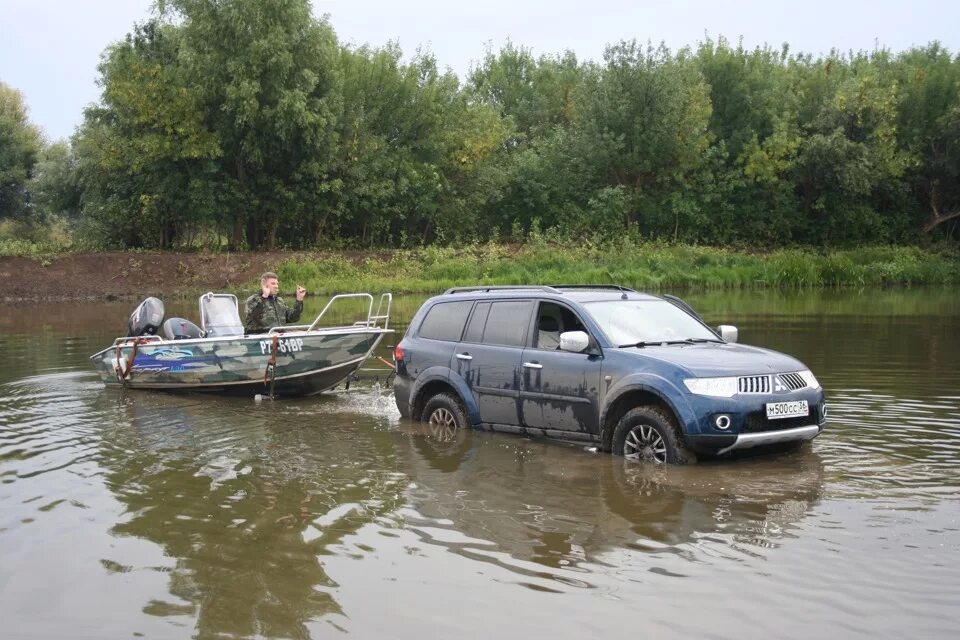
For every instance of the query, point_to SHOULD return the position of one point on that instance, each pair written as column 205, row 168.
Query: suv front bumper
column 720, row 444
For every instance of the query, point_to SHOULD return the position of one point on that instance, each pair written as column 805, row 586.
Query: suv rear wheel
column 444, row 415
column 647, row 434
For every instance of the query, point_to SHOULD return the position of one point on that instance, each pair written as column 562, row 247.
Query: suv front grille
column 753, row 384
column 765, row 384
column 792, row 381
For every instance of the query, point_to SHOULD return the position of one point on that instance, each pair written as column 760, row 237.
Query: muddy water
column 173, row 516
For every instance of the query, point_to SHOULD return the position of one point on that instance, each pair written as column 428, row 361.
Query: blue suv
column 639, row 375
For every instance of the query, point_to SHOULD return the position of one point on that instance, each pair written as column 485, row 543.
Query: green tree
column 53, row 186
column 849, row 149
column 474, row 142
column 755, row 138
column 929, row 131
column 20, row 146
column 528, row 182
column 649, row 111
column 142, row 155
column 264, row 73
column 536, row 94
column 413, row 151
column 244, row 119
column 386, row 177
column 216, row 116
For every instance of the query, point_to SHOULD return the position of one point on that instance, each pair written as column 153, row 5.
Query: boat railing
column 373, row 320
column 383, row 311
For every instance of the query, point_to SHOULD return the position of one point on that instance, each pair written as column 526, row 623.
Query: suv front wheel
column 647, row 434
column 444, row 415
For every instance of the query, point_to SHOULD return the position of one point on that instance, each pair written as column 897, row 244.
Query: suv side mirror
column 728, row 332
column 574, row 341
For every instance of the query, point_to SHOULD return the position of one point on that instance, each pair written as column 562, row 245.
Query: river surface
column 139, row 514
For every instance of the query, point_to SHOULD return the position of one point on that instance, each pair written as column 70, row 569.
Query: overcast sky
column 49, row 49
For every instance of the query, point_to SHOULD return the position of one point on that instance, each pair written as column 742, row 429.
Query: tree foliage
column 245, row 123
column 20, row 146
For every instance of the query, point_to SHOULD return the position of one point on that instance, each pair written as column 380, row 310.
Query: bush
column 20, row 238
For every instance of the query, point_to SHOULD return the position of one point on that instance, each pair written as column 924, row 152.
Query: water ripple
column 184, row 514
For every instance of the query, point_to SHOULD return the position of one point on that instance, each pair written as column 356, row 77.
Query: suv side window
column 445, row 321
column 477, row 322
column 507, row 323
column 552, row 320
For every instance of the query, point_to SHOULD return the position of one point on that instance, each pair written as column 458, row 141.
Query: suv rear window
column 444, row 321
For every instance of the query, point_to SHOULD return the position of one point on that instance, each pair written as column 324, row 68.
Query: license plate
column 777, row 410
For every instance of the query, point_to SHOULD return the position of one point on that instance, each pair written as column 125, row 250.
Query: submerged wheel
column 647, row 434
column 444, row 415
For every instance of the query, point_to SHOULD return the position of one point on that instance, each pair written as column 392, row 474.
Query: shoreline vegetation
column 652, row 267
column 644, row 266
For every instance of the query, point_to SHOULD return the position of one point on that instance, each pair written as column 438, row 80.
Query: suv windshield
column 635, row 322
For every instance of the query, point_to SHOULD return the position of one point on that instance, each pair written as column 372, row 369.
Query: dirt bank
column 118, row 275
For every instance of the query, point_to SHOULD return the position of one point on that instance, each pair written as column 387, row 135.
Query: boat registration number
column 284, row 345
column 776, row 410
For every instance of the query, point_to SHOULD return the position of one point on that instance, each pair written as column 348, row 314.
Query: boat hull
column 306, row 362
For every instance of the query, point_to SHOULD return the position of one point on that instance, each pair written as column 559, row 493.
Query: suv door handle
column 464, row 356
column 533, row 365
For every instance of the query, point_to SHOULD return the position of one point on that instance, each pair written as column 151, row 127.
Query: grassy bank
column 643, row 266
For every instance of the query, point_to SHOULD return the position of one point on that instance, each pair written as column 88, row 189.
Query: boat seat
column 220, row 315
column 180, row 329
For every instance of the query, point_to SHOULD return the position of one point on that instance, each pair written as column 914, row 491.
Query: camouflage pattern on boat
column 290, row 360
column 306, row 362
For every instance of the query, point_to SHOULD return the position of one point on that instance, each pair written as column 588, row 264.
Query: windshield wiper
column 655, row 343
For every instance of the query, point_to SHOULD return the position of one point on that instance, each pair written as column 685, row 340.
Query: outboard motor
column 180, row 329
column 146, row 318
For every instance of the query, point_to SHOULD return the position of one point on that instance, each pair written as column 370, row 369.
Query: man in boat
column 266, row 309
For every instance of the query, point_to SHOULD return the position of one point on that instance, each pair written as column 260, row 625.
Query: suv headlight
column 809, row 378
column 718, row 387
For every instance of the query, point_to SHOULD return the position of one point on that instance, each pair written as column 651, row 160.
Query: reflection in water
column 138, row 514
column 561, row 507
column 246, row 504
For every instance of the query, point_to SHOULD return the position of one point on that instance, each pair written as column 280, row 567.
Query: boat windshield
column 220, row 315
column 639, row 322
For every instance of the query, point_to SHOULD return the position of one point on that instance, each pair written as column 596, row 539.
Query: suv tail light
column 398, row 352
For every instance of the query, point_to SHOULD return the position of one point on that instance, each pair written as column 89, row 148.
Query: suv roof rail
column 615, row 287
column 503, row 287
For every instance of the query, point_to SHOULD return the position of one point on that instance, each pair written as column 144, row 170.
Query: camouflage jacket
column 262, row 314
